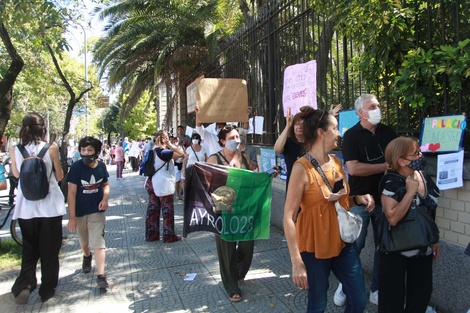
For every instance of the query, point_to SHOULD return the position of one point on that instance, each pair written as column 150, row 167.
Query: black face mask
column 419, row 164
column 88, row 159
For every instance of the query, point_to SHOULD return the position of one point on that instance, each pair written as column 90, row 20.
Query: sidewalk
column 149, row 276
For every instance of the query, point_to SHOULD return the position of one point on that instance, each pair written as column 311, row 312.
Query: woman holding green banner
column 234, row 260
column 314, row 241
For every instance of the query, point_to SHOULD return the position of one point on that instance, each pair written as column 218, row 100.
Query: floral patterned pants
column 152, row 220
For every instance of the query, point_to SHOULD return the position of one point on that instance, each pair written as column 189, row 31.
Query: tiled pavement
column 149, row 276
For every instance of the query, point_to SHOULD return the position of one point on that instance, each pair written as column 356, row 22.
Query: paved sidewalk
column 149, row 276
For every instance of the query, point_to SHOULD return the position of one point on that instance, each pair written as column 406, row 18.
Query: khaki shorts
column 91, row 230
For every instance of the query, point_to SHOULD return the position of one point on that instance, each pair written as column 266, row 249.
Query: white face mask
column 195, row 141
column 232, row 145
column 375, row 116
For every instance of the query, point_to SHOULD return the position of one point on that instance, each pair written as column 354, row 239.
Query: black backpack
column 148, row 163
column 34, row 182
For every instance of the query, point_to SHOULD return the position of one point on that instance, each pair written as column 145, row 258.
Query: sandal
column 235, row 297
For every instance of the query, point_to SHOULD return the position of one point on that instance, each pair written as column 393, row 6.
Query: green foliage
column 423, row 72
column 10, row 254
column 140, row 123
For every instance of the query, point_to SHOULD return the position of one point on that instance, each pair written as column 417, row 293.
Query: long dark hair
column 33, row 129
column 313, row 120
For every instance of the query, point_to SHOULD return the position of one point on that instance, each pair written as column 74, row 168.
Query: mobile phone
column 271, row 171
column 338, row 186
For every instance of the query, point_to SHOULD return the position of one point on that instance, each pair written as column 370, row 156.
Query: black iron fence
column 287, row 32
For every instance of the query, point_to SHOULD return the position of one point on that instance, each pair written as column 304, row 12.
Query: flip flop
column 235, row 297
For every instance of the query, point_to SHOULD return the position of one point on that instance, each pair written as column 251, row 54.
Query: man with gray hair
column 363, row 153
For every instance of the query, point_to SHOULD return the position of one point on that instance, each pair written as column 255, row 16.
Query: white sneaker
column 430, row 309
column 374, row 297
column 339, row 298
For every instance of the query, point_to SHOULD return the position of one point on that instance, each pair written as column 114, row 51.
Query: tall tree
column 8, row 80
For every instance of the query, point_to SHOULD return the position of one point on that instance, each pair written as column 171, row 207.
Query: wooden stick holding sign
column 221, row 100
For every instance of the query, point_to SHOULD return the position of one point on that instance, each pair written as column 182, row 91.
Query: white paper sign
column 449, row 170
column 300, row 87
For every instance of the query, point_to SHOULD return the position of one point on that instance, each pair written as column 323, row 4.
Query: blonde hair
column 160, row 134
column 398, row 148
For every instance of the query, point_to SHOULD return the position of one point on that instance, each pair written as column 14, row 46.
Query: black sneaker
column 102, row 282
column 86, row 264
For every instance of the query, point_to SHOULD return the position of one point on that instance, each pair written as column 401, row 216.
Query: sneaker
column 22, row 297
column 86, row 264
column 430, row 309
column 102, row 282
column 339, row 298
column 374, row 297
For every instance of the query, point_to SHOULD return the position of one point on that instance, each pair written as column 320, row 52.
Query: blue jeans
column 347, row 268
column 361, row 241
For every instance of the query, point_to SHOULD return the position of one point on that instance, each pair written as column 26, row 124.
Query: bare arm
column 14, row 169
column 54, row 154
column 394, row 210
column 297, row 185
column 281, row 140
column 357, row 168
column 71, row 196
column 103, row 206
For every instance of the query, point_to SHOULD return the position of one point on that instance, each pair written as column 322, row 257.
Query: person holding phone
column 313, row 238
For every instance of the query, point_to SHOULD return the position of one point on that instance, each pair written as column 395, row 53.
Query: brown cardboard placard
column 222, row 100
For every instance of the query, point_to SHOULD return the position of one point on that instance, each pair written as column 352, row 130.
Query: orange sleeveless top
column 317, row 224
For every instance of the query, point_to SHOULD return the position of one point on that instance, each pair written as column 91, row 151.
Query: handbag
column 415, row 230
column 350, row 224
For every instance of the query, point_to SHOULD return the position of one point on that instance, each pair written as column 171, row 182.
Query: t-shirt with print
column 89, row 183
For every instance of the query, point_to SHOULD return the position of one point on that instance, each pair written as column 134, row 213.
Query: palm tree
column 148, row 42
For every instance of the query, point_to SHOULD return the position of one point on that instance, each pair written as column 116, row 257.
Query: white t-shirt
column 52, row 205
column 164, row 180
column 192, row 155
column 211, row 141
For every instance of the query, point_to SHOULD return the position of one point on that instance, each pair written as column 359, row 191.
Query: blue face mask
column 232, row 145
column 418, row 164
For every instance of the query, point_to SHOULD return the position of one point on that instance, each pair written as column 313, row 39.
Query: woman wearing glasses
column 314, row 241
column 234, row 260
column 405, row 278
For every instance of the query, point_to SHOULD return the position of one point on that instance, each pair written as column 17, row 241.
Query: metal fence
column 287, row 32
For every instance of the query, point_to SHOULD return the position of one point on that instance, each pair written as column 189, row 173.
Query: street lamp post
column 86, row 78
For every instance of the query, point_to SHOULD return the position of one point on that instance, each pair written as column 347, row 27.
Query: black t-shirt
column 293, row 150
column 362, row 145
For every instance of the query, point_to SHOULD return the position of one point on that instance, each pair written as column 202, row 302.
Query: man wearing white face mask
column 363, row 153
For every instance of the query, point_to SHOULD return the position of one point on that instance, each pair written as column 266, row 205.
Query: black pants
column 42, row 238
column 405, row 284
column 234, row 262
column 134, row 163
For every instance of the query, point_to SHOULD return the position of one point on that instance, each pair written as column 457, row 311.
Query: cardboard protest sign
column 300, row 87
column 443, row 133
column 221, row 100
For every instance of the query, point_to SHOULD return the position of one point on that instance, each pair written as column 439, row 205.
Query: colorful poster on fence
column 268, row 159
column 230, row 202
column 443, row 133
column 347, row 119
column 300, row 87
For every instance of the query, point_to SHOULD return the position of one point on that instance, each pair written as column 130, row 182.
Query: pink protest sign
column 300, row 86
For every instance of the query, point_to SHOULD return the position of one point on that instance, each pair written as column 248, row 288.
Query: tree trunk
column 8, row 81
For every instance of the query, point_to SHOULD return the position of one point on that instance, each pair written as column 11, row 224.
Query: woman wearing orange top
column 314, row 241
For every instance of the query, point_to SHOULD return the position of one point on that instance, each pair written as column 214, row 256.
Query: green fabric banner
column 233, row 203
